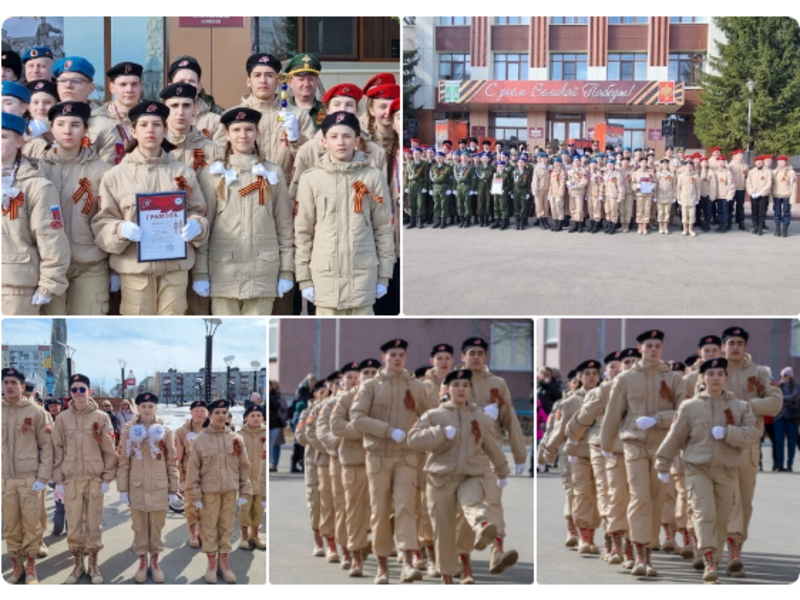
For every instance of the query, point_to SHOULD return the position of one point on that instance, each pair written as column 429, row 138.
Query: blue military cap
column 524, row 158
column 627, row 149
column 611, row 161
column 486, row 154
column 501, row 162
column 37, row 52
column 16, row 90
column 76, row 64
column 592, row 160
column 440, row 153
column 541, row 155
column 557, row 160
column 14, row 123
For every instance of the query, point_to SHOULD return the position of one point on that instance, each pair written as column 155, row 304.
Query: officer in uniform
column 500, row 200
column 302, row 72
column 125, row 84
column 521, row 180
column 38, row 63
column 464, row 179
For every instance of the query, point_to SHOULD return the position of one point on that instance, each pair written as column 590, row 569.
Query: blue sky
column 147, row 344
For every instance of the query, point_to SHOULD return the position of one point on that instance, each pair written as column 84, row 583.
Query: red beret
column 415, row 140
column 757, row 158
column 766, row 156
column 343, row 89
column 390, row 91
column 721, row 157
column 704, row 159
column 395, row 106
column 783, row 158
column 379, row 79
column 735, row 152
column 716, row 149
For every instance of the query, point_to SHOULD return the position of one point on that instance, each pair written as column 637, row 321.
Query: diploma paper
column 161, row 217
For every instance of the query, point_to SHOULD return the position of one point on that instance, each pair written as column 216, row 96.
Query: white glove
column 38, row 299
column 113, row 283
column 36, row 128
column 202, row 288
column 664, row 477
column 501, row 483
column 646, row 422
column 674, row 200
column 559, row 199
column 104, row 487
column 172, row 498
column 398, row 435
column 450, row 432
column 60, row 489
column 519, row 470
column 263, row 504
column 191, row 230
column 527, row 197
column 448, row 192
column 38, row 486
column 407, row 192
column 572, row 459
column 718, row 432
column 241, row 501
column 123, row 497
column 380, row 291
column 492, row 411
column 540, row 467
column 608, row 455
column 308, row 294
column 655, row 199
column 755, row 196
column 284, row 287
column 290, row 126
column 130, row 231
column 198, row 504
column 602, row 198
column 570, row 185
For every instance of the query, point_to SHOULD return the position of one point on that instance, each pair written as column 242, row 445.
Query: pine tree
column 410, row 61
column 765, row 50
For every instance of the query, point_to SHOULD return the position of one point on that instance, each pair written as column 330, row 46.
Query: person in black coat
column 548, row 388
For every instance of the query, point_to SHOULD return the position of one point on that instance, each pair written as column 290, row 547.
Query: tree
column 410, row 61
column 765, row 50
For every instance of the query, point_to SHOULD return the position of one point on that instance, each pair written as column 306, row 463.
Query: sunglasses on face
column 78, row 390
column 126, row 406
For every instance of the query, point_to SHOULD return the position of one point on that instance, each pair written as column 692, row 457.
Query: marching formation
column 416, row 461
column 216, row 468
column 593, row 190
column 254, row 198
column 663, row 446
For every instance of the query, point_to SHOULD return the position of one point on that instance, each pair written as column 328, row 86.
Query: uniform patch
column 55, row 217
column 753, row 384
column 27, row 425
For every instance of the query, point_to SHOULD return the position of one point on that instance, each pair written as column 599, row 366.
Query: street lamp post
column 211, row 329
column 750, row 87
column 228, row 362
column 255, row 364
column 70, row 353
column 122, row 364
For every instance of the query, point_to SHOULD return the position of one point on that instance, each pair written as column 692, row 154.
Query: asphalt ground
column 771, row 554
column 289, row 530
column 482, row 271
column 181, row 564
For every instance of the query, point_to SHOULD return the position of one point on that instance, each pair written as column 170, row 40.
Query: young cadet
column 521, row 180
column 784, row 193
column 251, row 514
column 310, row 467
column 248, row 260
column 206, row 120
column 76, row 171
column 303, row 78
column 500, row 200
column 614, row 184
column 687, row 191
column 386, row 408
column 343, row 198
column 183, row 449
column 645, row 185
column 27, row 467
column 36, row 253
column 379, row 118
column 283, row 129
column 577, row 180
column 540, row 187
column 726, row 188
column 38, row 63
column 464, row 179
column 147, row 479
column 708, row 193
column 191, row 147
column 759, row 187
column 73, row 76
column 16, row 100
column 458, row 428
column 640, row 411
column 711, row 430
column 752, row 383
column 556, row 191
column 44, row 96
column 483, row 176
column 740, row 172
column 84, row 465
column 416, row 173
column 626, row 208
column 149, row 287
column 595, row 195
column 665, row 194
column 125, row 84
column 440, row 176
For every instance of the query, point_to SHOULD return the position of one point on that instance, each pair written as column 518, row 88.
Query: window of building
column 273, row 339
column 508, row 127
column 627, row 66
column 568, row 67
column 510, row 20
column 795, row 351
column 688, row 19
column 686, row 66
column 627, row 20
column 512, row 349
column 331, row 37
column 455, row 20
column 635, row 130
column 550, row 331
column 454, row 67
column 569, row 20
column 684, row 132
column 511, row 67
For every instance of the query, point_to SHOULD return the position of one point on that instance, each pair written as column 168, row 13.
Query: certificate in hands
column 497, row 185
column 161, row 217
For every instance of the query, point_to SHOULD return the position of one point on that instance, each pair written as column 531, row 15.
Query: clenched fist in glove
column 718, row 432
column 191, row 230
column 130, row 231
column 308, row 294
column 291, row 126
column 664, row 477
column 646, row 422
column 492, row 411
column 284, row 286
column 398, row 435
column 40, row 299
column 202, row 288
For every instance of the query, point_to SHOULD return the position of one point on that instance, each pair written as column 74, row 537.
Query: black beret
column 714, row 363
column 148, row 108
column 178, row 90
column 12, row 60
column 709, row 339
column 447, row 143
column 588, row 364
column 369, row 363
column 441, row 348
column 43, row 85
column 197, row 404
column 613, row 356
column 78, row 378
column 184, row 63
column 263, row 60
column 341, row 118
column 125, row 68
column 319, row 385
column 418, row 373
column 218, row 404
column 476, row 342
column 473, row 139
column 462, row 141
column 464, row 374
column 690, row 360
column 70, row 109
column 735, row 332
column 333, row 377
column 146, row 397
column 29, row 386
column 678, row 366
column 240, row 114
column 653, row 334
column 351, row 366
column 255, row 408
column 631, row 352
column 395, row 343
column 572, row 374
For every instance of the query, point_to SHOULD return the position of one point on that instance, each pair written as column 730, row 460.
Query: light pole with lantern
column 228, row 362
column 211, row 328
column 750, row 87
column 255, row 364
column 122, row 364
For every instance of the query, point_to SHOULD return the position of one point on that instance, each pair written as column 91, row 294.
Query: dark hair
column 166, row 145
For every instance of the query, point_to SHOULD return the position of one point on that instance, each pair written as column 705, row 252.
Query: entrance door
column 564, row 127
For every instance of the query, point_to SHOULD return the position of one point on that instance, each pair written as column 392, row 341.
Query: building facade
column 34, row 361
column 183, row 387
column 544, row 80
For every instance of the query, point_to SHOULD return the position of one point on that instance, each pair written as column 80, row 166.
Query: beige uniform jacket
column 566, row 409
column 475, row 439
column 752, row 383
column 321, row 456
column 343, row 232
column 27, row 448
column 708, row 184
column 148, row 479
column 310, row 454
column 540, row 182
column 35, row 147
column 589, row 418
column 218, row 464
column 615, row 186
column 251, row 244
column 208, row 123
column 687, row 189
column 105, row 137
column 78, row 183
column 36, row 252
column 491, row 389
column 194, row 149
column 435, row 391
column 784, row 184
column 726, row 187
column 692, row 380
column 262, row 478
column 639, row 176
column 322, row 424
column 385, row 403
column 254, row 440
column 579, row 180
column 311, row 152
column 83, row 446
column 666, row 187
column 642, row 392
column 272, row 141
column 692, row 432
column 183, row 445
column 596, row 188
column 541, row 453
column 351, row 450
column 626, row 179
column 118, row 189
column 759, row 182
column 739, row 170
column 558, row 184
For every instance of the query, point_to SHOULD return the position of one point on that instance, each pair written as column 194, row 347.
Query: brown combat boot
column 466, row 569
column 382, row 577
column 640, row 568
column 194, row 541
column 419, row 563
column 501, row 560
column 628, row 559
column 433, row 567
column 485, row 535
column 651, row 572
column 141, row 573
column 346, row 560
column 244, row 543
column 572, row 534
column 94, row 570
column 227, row 574
column 669, row 546
column 735, row 564
column 331, row 555
column 616, row 553
column 319, row 548
column 256, row 539
column 357, row 570
column 155, row 569
column 30, row 570
column 710, row 572
column 410, row 572
column 687, row 551
column 77, row 570
column 211, row 569
column 16, row 569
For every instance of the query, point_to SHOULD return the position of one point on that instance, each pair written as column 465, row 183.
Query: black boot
column 537, row 222
column 412, row 223
column 777, row 229
column 504, row 225
column 436, row 223
column 741, row 225
column 582, row 226
column 573, row 227
column 612, row 229
column 760, row 229
column 445, row 223
column 720, row 228
column 784, row 229
column 595, row 226
column 496, row 224
column 420, row 222
column 465, row 222
column 522, row 224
